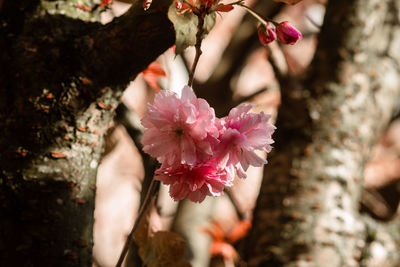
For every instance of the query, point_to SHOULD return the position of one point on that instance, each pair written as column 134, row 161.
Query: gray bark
column 60, row 81
column 307, row 213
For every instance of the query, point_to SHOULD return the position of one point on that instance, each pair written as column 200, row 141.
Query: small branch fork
column 200, row 31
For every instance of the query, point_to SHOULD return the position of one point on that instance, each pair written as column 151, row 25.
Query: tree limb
column 60, row 82
column 307, row 212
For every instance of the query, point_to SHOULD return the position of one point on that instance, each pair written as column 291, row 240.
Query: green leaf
column 186, row 27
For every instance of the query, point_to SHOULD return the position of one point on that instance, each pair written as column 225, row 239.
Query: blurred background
column 235, row 63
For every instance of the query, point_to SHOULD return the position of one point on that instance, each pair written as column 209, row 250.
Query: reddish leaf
column 80, row 200
column 86, row 81
column 215, row 231
column 84, row 7
column 146, row 4
column 239, row 231
column 101, row 105
column 105, row 3
column 151, row 75
column 58, row 155
column 22, row 153
column 223, row 8
column 219, row 245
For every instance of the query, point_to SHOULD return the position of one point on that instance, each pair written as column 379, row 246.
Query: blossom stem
column 199, row 36
column 152, row 191
column 256, row 15
column 240, row 2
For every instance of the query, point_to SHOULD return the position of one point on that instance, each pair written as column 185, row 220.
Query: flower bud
column 288, row 34
column 266, row 34
column 178, row 4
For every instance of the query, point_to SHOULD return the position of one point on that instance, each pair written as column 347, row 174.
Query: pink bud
column 266, row 34
column 288, row 34
column 146, row 4
column 178, row 4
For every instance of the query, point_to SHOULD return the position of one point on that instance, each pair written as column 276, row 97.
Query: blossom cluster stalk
column 199, row 38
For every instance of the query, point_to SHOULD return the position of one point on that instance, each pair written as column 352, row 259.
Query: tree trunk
column 60, row 82
column 307, row 213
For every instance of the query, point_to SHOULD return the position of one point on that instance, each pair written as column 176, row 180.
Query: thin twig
column 255, row 14
column 199, row 36
column 150, row 193
column 250, row 97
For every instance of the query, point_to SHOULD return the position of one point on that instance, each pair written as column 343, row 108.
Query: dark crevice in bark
column 61, row 80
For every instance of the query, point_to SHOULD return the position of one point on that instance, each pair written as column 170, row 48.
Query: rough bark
column 308, row 210
column 60, row 81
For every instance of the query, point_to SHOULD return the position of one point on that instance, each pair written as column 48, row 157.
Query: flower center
column 178, row 132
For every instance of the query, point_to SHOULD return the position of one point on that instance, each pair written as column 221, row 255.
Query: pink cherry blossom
column 179, row 130
column 198, row 152
column 244, row 133
column 195, row 183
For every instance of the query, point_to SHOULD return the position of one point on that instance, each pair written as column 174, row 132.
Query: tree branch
column 307, row 211
column 117, row 52
column 60, row 82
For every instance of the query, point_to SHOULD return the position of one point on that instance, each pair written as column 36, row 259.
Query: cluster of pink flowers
column 284, row 31
column 199, row 152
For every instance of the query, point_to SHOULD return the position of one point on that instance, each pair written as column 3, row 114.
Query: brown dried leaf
column 165, row 249
column 161, row 248
column 289, row 2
